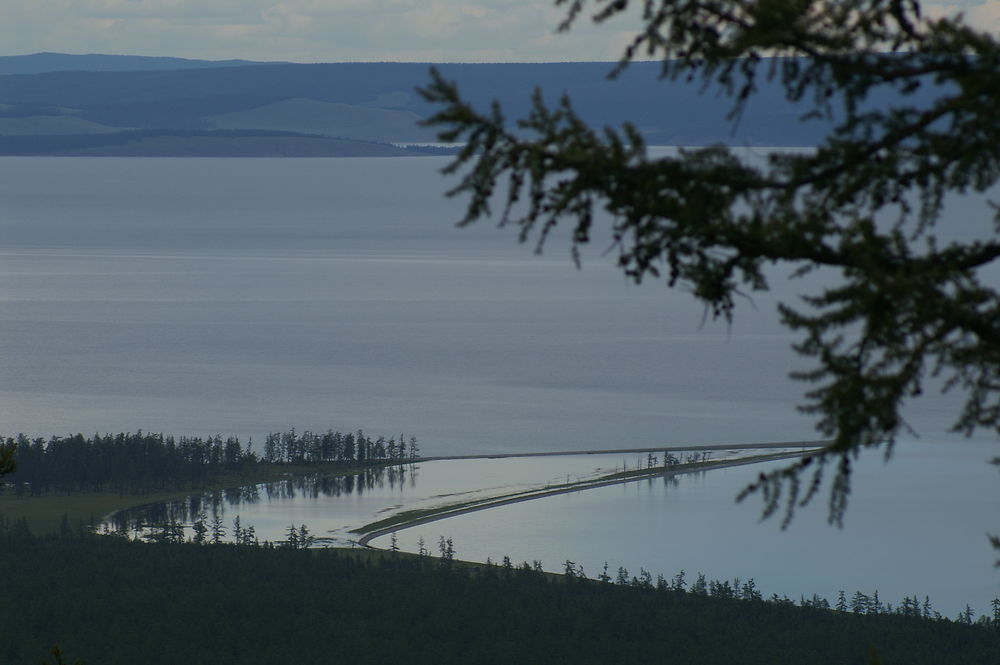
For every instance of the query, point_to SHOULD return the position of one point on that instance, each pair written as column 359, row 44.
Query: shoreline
column 805, row 446
column 445, row 512
column 813, row 444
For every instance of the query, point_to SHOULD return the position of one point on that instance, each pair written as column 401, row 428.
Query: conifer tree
column 908, row 303
column 218, row 529
column 200, row 528
column 700, row 586
column 237, row 531
column 749, row 591
column 7, row 457
column 569, row 569
column 874, row 604
column 292, row 537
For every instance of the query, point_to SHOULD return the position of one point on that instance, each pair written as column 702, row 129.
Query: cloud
column 983, row 15
column 303, row 30
column 215, row 10
column 337, row 30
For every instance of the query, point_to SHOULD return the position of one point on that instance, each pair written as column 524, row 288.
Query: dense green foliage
column 7, row 458
column 142, row 462
column 109, row 601
column 907, row 107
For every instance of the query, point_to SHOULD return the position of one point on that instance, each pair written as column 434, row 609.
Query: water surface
column 233, row 296
column 243, row 296
column 916, row 526
column 332, row 507
column 247, row 296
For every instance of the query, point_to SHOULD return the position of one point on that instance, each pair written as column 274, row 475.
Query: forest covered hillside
column 108, row 600
column 52, row 95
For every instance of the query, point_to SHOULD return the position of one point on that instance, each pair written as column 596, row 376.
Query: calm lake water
column 246, row 296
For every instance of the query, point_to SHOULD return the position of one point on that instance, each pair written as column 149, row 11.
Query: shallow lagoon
column 906, row 533
column 332, row 507
column 917, row 525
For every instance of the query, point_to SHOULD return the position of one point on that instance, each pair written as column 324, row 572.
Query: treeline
column 859, row 603
column 159, row 603
column 212, row 530
column 143, row 462
column 336, row 447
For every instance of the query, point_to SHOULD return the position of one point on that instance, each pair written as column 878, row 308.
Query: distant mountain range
column 56, row 104
column 39, row 63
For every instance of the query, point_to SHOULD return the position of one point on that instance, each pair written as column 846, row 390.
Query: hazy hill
column 369, row 123
column 51, row 124
column 198, row 143
column 37, row 63
column 378, row 101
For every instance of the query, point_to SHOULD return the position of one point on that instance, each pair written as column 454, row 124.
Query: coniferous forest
column 106, row 600
column 142, row 462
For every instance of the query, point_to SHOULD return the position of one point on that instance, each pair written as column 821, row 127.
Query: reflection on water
column 219, row 503
column 914, row 526
column 332, row 506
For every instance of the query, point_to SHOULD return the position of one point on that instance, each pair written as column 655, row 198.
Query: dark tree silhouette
column 7, row 454
column 864, row 205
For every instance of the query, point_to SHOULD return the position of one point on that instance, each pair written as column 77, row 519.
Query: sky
column 336, row 30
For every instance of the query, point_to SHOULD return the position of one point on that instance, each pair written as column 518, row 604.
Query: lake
column 247, row 296
column 234, row 296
